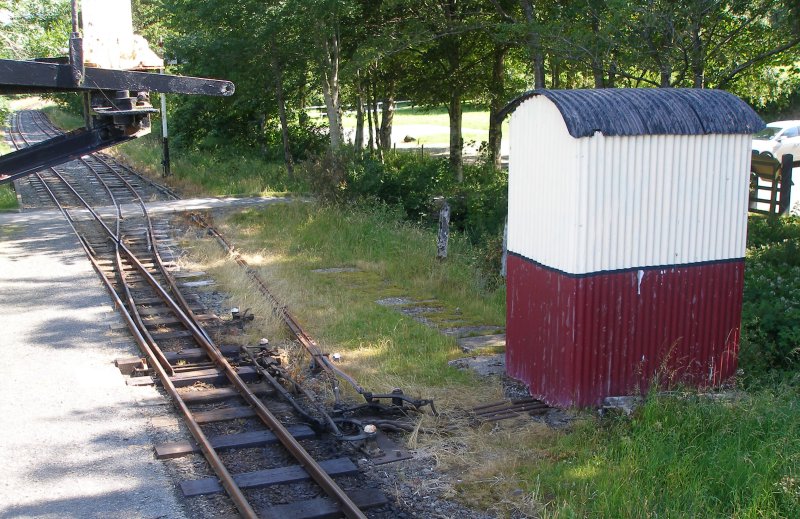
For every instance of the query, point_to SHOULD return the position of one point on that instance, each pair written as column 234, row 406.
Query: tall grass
column 232, row 172
column 8, row 198
column 216, row 173
column 684, row 456
column 62, row 118
column 392, row 259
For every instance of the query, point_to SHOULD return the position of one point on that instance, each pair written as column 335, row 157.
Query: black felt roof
column 649, row 111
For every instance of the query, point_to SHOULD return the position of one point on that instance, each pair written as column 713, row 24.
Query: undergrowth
column 8, row 198
column 211, row 173
column 221, row 172
column 770, row 348
column 678, row 456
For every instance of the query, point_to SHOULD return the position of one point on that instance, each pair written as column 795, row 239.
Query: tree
column 448, row 60
column 34, row 29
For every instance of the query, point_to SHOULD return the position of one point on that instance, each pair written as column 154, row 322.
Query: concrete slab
column 482, row 342
column 74, row 439
column 484, row 365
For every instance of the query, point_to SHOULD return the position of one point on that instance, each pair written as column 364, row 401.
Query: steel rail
column 186, row 317
column 314, row 470
column 132, row 308
column 226, row 479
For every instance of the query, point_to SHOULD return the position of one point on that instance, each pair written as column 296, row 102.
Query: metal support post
column 164, row 136
column 787, row 164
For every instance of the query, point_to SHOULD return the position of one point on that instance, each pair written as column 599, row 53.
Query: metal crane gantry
column 114, row 69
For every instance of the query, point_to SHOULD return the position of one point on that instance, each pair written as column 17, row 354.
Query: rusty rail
column 509, row 409
column 186, row 316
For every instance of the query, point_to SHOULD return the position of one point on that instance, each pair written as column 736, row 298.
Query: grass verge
column 685, row 456
column 8, row 197
column 64, row 120
column 381, row 346
column 236, row 173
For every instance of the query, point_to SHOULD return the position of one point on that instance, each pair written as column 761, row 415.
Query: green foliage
column 681, row 456
column 412, row 181
column 5, row 111
column 8, row 198
column 34, row 28
column 770, row 346
column 66, row 115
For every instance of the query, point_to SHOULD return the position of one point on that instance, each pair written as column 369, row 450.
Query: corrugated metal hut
column 627, row 223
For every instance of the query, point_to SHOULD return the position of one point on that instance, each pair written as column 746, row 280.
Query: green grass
column 195, row 173
column 64, row 120
column 8, row 198
column 677, row 457
column 475, row 124
column 394, row 259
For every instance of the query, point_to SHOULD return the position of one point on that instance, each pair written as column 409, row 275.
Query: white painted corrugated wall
column 607, row 203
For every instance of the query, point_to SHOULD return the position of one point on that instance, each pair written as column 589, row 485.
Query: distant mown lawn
column 475, row 124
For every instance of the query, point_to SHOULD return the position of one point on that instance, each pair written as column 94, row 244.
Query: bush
column 412, row 181
column 770, row 346
column 4, row 110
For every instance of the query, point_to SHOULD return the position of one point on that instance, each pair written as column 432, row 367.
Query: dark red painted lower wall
column 576, row 340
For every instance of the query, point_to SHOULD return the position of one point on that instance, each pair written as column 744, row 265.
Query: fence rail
column 771, row 184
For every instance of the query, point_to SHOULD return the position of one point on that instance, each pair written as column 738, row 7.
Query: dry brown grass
column 207, row 256
column 483, row 459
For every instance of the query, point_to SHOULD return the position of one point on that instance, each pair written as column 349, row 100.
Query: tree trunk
column 496, row 92
column 666, row 75
column 534, row 45
column 456, row 140
column 555, row 74
column 371, row 144
column 378, row 147
column 387, row 117
column 612, row 74
column 597, row 72
column 330, row 90
column 358, row 141
column 597, row 62
column 698, row 68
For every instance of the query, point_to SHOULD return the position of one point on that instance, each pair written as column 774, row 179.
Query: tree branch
column 749, row 63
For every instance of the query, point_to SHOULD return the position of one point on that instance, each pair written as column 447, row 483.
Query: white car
column 778, row 139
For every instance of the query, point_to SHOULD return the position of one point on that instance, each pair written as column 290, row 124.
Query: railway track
column 209, row 384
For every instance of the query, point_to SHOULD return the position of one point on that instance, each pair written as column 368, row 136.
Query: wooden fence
column 771, row 184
